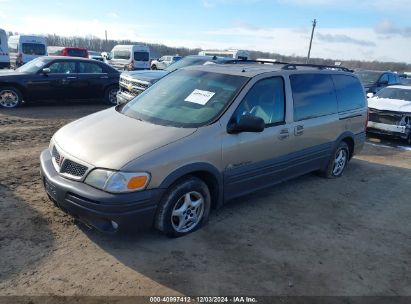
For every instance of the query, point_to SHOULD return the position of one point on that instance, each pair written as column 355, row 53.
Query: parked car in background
column 233, row 54
column 201, row 136
column 405, row 81
column 130, row 57
column 95, row 55
column 67, row 51
column 390, row 112
column 23, row 49
column 373, row 81
column 133, row 83
column 58, row 78
column 4, row 50
column 164, row 62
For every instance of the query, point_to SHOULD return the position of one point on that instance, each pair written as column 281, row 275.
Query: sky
column 346, row 29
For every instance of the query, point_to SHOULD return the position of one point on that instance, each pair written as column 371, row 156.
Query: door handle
column 284, row 134
column 103, row 77
column 298, row 130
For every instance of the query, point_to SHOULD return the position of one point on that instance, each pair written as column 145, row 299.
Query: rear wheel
column 10, row 97
column 338, row 162
column 184, row 208
column 110, row 96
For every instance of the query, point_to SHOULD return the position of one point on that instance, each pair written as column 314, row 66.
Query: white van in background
column 23, row 48
column 235, row 54
column 130, row 57
column 4, row 50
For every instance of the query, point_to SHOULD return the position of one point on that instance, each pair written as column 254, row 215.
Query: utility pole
column 311, row 40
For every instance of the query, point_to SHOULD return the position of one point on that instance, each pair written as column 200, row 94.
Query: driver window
column 266, row 99
column 384, row 78
column 62, row 67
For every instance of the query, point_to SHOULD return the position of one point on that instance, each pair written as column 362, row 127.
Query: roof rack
column 239, row 61
column 293, row 66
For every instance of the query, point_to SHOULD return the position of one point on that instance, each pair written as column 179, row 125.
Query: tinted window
column 77, row 53
column 34, row 49
column 368, row 77
column 62, row 67
column 313, row 95
column 91, row 68
column 350, row 93
column 141, row 56
column 265, row 100
column 393, row 79
column 384, row 77
column 121, row 54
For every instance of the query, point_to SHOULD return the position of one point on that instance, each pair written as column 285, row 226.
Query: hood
column 387, row 104
column 109, row 139
column 146, row 75
column 10, row 73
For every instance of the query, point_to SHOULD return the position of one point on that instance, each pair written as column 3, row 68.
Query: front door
column 256, row 160
column 53, row 85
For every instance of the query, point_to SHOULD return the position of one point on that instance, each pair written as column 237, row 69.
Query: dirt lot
column 309, row 236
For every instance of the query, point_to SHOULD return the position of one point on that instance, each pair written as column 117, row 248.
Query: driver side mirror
column 247, row 123
column 45, row 71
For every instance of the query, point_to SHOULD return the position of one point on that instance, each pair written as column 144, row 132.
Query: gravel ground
column 308, row 236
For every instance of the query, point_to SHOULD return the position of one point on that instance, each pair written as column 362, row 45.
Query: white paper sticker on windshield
column 199, row 96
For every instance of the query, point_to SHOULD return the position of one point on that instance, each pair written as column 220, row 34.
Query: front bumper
column 388, row 129
column 123, row 97
column 98, row 208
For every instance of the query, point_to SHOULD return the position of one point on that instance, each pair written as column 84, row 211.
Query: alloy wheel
column 187, row 212
column 9, row 98
column 340, row 162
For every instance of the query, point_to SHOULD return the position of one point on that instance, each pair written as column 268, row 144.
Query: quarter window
column 350, row 93
column 63, row 67
column 90, row 68
column 313, row 95
column 266, row 99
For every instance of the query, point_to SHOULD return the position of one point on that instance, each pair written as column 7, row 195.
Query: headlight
column 117, row 181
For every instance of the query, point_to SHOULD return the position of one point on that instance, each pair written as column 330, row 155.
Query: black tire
column 10, row 97
column 332, row 171
column 109, row 98
column 173, row 202
column 154, row 67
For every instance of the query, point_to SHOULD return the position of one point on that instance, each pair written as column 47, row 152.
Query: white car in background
column 390, row 112
column 163, row 62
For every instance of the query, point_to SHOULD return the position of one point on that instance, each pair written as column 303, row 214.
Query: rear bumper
column 98, row 208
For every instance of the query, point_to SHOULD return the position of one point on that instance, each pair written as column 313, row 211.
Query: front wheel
column 184, row 208
column 10, row 97
column 338, row 162
column 110, row 96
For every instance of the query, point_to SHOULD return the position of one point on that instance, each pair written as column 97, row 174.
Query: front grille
column 134, row 87
column 72, row 168
column 56, row 155
column 66, row 166
column 385, row 117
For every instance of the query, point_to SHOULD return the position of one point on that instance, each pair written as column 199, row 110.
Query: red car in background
column 67, row 51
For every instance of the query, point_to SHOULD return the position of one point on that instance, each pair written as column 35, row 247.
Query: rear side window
column 121, row 54
column 77, row 53
column 90, row 68
column 350, row 93
column 313, row 95
column 141, row 56
column 34, row 49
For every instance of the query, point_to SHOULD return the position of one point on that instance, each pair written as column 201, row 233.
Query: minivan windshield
column 368, row 77
column 185, row 98
column 395, row 93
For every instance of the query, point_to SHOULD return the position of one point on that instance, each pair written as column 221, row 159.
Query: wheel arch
column 204, row 171
column 17, row 86
column 349, row 138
